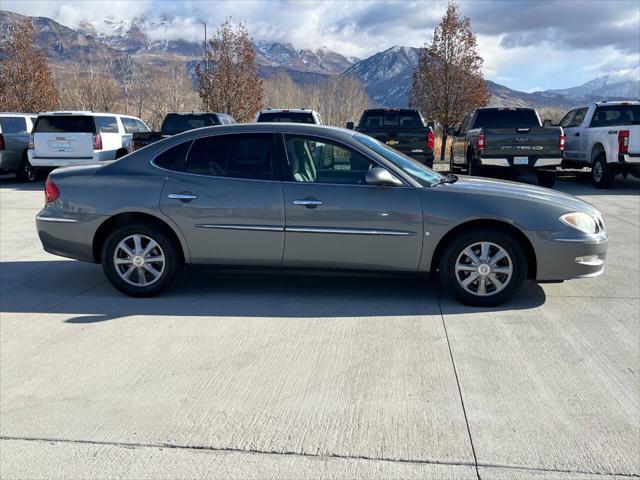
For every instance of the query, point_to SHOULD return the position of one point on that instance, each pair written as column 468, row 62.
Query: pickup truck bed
column 402, row 129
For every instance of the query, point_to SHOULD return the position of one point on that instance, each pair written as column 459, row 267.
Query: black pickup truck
column 510, row 140
column 401, row 128
column 175, row 123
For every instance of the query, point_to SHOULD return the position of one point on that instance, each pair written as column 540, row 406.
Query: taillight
column 561, row 142
column 97, row 141
column 623, row 141
column 51, row 192
column 31, row 142
column 1, row 142
column 431, row 140
column 481, row 141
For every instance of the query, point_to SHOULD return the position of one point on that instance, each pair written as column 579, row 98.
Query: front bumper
column 563, row 257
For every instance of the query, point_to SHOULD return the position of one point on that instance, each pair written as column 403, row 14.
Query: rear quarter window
column 106, row 124
column 65, row 123
column 13, row 125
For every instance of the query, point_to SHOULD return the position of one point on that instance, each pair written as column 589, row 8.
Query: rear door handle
column 577, row 134
column 308, row 202
column 183, row 197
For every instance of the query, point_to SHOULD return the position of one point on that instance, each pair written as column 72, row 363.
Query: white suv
column 75, row 138
column 291, row 115
column 604, row 136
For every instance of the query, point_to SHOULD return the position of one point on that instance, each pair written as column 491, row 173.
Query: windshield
column 506, row 118
column 422, row 174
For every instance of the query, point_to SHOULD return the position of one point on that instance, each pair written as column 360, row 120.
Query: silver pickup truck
column 14, row 143
column 510, row 140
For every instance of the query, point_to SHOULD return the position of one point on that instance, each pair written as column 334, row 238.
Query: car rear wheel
column 140, row 260
column 483, row 267
column 26, row 172
column 546, row 179
column 601, row 174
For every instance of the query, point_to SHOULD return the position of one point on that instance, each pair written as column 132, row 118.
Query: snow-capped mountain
column 322, row 60
column 386, row 75
column 625, row 83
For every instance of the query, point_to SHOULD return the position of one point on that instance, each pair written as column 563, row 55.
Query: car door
column 226, row 199
column 579, row 134
column 571, row 141
column 334, row 219
column 15, row 133
column 458, row 142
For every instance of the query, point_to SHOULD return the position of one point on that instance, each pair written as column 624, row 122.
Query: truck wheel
column 601, row 173
column 26, row 172
column 483, row 267
column 546, row 179
column 474, row 167
column 140, row 260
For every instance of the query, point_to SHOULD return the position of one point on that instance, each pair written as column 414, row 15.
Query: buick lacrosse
column 312, row 197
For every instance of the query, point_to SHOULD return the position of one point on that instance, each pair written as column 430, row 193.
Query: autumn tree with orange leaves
column 228, row 75
column 448, row 83
column 26, row 83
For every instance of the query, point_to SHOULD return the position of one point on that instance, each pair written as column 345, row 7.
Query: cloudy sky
column 526, row 44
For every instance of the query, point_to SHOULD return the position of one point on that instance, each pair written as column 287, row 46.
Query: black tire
column 474, row 167
column 602, row 174
column 26, row 172
column 167, row 247
column 120, row 153
column 546, row 179
column 517, row 260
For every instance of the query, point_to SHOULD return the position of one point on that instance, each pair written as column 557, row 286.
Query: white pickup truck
column 604, row 136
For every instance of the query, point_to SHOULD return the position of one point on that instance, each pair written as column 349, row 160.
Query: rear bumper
column 100, row 156
column 630, row 159
column 563, row 257
column 68, row 235
column 534, row 163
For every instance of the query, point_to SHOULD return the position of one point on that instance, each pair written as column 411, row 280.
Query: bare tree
column 228, row 75
column 26, row 82
column 448, row 81
column 341, row 99
column 280, row 91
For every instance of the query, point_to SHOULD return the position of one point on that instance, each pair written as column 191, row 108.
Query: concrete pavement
column 257, row 376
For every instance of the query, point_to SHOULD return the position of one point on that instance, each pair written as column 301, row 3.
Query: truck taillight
column 1, row 142
column 51, row 192
column 431, row 140
column 561, row 142
column 623, row 141
column 31, row 143
column 481, row 141
column 97, row 141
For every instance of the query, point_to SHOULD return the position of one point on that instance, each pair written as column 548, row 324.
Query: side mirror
column 547, row 123
column 350, row 125
column 382, row 177
column 452, row 132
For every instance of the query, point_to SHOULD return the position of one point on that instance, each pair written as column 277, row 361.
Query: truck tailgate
column 405, row 141
column 634, row 138
column 512, row 142
column 63, row 144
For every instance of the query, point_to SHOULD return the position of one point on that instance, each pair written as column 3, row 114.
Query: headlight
column 581, row 221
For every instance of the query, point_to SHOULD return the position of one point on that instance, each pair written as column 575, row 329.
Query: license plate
column 521, row 160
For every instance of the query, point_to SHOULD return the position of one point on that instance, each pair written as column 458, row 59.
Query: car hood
column 520, row 191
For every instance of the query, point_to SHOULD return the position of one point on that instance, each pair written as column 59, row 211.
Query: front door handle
column 577, row 134
column 308, row 202
column 183, row 197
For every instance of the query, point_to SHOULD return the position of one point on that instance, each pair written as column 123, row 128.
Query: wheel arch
column 532, row 264
column 596, row 149
column 123, row 218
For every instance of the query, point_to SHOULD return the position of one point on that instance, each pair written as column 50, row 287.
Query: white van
column 75, row 138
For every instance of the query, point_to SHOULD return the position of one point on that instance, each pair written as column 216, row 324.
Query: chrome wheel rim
column 597, row 171
column 483, row 269
column 139, row 260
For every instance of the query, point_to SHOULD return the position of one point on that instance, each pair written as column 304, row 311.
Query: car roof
column 287, row 110
column 87, row 113
column 391, row 110
column 617, row 102
column 196, row 113
column 264, row 127
column 17, row 114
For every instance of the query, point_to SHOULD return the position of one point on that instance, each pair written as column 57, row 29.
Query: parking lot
column 283, row 376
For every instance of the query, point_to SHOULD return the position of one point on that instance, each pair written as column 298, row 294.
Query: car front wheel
column 483, row 267
column 140, row 260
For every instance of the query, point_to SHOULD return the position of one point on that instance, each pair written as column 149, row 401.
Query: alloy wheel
column 483, row 269
column 139, row 260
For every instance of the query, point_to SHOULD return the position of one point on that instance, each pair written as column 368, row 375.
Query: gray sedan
column 313, row 197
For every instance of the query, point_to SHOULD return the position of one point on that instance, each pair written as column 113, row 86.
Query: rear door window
column 65, row 123
column 106, row 124
column 616, row 115
column 173, row 158
column 246, row 156
column 13, row 125
column 140, row 125
column 129, row 125
column 566, row 120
